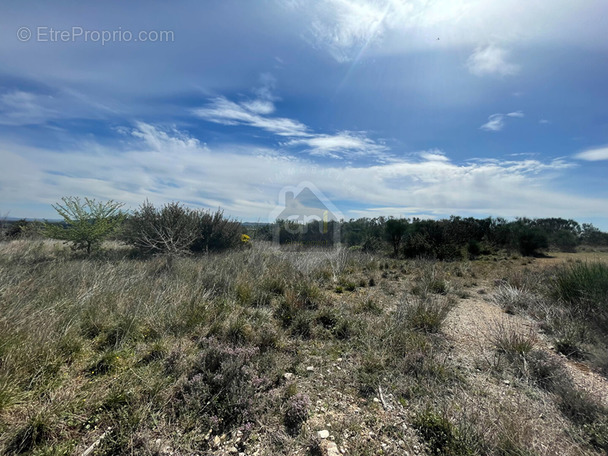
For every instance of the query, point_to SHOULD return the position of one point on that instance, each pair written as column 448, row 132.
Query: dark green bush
column 395, row 230
column 530, row 240
column 565, row 241
column 417, row 245
column 15, row 230
column 473, row 248
column 448, row 252
column 372, row 245
column 440, row 435
column 216, row 232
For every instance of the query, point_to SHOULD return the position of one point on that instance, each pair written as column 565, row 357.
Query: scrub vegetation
column 185, row 332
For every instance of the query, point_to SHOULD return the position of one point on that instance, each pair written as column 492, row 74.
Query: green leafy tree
column 85, row 224
column 529, row 239
column 395, row 230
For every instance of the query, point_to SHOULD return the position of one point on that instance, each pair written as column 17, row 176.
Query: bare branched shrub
column 175, row 229
column 170, row 229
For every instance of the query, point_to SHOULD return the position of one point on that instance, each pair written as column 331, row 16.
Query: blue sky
column 406, row 108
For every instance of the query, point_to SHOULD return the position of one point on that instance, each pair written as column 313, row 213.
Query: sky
column 404, row 108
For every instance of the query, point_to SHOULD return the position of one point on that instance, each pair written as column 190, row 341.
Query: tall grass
column 121, row 337
column 191, row 355
column 583, row 284
column 513, row 299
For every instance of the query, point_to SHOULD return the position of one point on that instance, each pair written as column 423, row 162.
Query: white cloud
column 596, row 154
column 254, row 113
column 160, row 140
column 343, row 144
column 165, row 165
column 491, row 60
column 259, row 106
column 544, row 121
column 250, row 113
column 434, row 155
column 496, row 122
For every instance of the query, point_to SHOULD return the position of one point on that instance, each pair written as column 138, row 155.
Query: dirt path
column 469, row 329
column 470, row 325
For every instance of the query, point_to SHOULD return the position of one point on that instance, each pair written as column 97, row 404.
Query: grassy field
column 255, row 351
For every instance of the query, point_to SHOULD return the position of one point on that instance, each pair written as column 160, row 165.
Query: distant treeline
column 175, row 228
column 445, row 239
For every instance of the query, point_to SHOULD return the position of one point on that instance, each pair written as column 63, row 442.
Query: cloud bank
column 167, row 164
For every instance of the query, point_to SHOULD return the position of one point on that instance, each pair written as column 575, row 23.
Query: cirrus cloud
column 496, row 122
column 255, row 113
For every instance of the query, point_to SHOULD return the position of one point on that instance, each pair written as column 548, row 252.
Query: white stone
column 331, row 449
column 216, row 441
column 323, row 434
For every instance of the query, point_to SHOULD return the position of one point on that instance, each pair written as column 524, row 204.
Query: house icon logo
column 305, row 216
